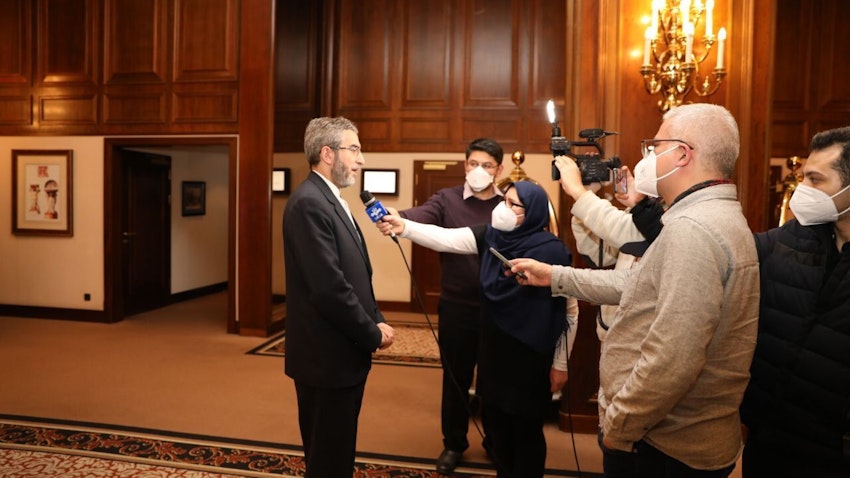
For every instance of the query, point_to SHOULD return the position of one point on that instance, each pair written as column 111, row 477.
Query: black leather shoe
column 448, row 460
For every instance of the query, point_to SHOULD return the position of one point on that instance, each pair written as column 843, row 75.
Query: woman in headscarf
column 526, row 333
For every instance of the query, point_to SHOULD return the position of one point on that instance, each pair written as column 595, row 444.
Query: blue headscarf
column 530, row 314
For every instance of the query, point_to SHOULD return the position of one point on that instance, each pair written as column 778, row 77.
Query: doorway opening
column 169, row 220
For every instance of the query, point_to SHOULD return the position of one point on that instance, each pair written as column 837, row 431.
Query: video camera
column 594, row 168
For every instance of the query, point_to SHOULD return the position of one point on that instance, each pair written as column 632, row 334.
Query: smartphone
column 506, row 262
column 621, row 181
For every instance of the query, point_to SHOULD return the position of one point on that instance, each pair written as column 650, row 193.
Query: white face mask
column 504, row 218
column 479, row 179
column 646, row 181
column 813, row 206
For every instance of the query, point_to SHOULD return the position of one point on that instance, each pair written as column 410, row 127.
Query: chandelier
column 671, row 63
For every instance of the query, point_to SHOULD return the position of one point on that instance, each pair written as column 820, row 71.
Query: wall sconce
column 670, row 62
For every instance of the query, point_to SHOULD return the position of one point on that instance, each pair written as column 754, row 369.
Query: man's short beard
column 341, row 174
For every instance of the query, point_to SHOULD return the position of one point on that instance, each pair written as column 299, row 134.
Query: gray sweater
column 676, row 359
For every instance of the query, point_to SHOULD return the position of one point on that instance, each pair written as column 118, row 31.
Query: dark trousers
column 328, row 421
column 645, row 461
column 459, row 328
column 517, row 443
column 763, row 461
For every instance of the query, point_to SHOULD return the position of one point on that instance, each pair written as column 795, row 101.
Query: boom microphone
column 374, row 209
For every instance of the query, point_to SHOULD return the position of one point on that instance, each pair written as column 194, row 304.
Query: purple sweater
column 460, row 280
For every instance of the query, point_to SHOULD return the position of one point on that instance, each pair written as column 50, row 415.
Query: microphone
column 374, row 209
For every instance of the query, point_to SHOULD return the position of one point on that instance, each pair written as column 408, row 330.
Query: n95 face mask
column 479, row 179
column 504, row 218
column 646, row 181
column 813, row 206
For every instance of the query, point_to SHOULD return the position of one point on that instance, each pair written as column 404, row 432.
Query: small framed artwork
column 280, row 181
column 194, row 195
column 42, row 192
column 380, row 181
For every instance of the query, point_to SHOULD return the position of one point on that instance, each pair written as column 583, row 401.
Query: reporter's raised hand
column 570, row 176
column 536, row 273
column 390, row 224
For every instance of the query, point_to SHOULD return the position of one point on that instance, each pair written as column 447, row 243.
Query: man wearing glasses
column 333, row 323
column 459, row 307
column 674, row 364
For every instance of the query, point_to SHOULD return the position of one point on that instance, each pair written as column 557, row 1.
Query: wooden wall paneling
column 67, row 42
column 135, row 42
column 206, row 40
column 366, row 47
column 792, row 77
column 491, row 70
column 297, row 70
column 67, row 64
column 135, row 64
column 832, row 90
column 548, row 64
column 205, row 89
column 253, row 282
column 16, row 63
column 16, row 38
column 427, row 118
column 750, row 86
column 210, row 103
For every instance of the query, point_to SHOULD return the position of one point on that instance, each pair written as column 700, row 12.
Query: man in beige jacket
column 676, row 358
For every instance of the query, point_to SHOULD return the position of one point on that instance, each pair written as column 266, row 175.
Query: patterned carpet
column 414, row 346
column 32, row 447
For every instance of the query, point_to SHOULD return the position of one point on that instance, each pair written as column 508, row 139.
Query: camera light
column 550, row 110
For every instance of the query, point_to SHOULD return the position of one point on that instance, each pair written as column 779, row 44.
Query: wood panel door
column 430, row 177
column 146, row 231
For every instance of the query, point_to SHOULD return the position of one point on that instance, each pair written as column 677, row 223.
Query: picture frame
column 280, row 180
column 42, row 192
column 380, row 181
column 194, row 194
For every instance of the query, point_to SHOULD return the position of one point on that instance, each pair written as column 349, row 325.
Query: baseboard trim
column 53, row 313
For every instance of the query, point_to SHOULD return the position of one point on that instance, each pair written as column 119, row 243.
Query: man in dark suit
column 333, row 323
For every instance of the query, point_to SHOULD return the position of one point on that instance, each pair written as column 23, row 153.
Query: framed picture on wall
column 194, row 195
column 42, row 192
column 380, row 181
column 280, row 181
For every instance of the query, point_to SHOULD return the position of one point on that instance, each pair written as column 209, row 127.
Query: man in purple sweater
column 460, row 297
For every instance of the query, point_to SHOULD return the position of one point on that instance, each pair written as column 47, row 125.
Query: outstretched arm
column 459, row 240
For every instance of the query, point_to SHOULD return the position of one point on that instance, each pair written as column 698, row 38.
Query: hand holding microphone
column 377, row 213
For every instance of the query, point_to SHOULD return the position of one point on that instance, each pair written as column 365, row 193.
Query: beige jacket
column 676, row 358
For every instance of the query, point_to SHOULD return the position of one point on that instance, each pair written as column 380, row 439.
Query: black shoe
column 448, row 460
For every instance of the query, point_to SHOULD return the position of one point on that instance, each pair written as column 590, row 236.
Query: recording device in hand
column 375, row 209
column 593, row 165
column 505, row 261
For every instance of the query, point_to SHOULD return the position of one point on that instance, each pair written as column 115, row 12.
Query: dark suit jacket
column 331, row 312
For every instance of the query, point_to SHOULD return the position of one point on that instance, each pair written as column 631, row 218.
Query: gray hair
column 324, row 131
column 712, row 132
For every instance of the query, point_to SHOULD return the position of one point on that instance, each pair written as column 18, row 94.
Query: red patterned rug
column 32, row 447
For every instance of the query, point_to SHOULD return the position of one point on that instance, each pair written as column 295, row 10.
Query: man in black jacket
column 333, row 323
column 797, row 403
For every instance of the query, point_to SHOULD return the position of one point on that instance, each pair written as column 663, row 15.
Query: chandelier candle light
column 670, row 63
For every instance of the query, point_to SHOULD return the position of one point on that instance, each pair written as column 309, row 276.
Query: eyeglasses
column 353, row 148
column 513, row 204
column 648, row 145
column 487, row 166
